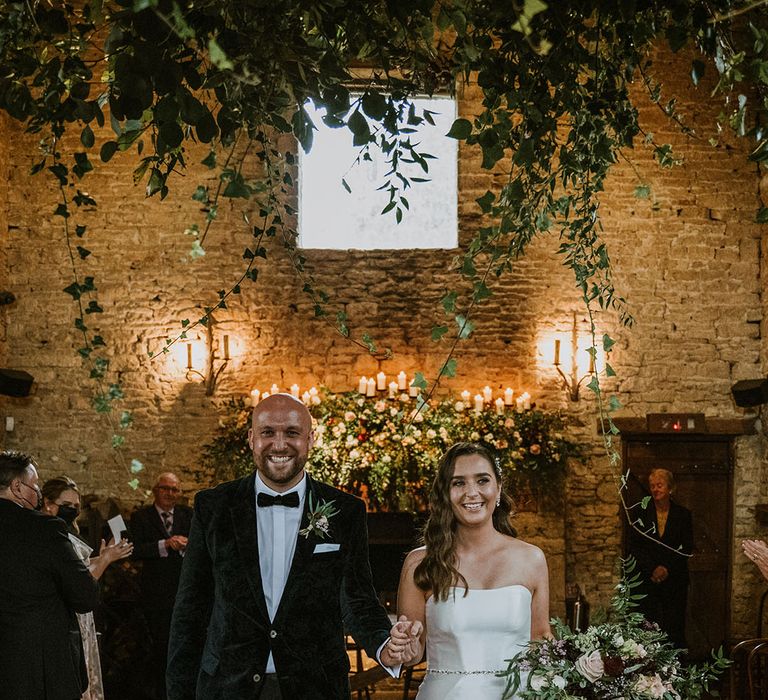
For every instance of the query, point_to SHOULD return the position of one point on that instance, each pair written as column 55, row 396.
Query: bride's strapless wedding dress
column 470, row 637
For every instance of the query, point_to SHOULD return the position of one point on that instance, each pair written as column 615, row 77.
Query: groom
column 267, row 591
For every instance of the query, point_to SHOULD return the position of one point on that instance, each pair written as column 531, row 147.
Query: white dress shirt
column 277, row 529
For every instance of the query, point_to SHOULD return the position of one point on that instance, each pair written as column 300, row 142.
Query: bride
column 479, row 594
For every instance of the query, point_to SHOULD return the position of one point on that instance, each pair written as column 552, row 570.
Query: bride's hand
column 404, row 645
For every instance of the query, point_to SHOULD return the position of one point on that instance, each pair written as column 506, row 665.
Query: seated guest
column 43, row 584
column 662, row 557
column 159, row 533
column 61, row 498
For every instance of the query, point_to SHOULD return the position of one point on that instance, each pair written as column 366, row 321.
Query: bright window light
column 332, row 217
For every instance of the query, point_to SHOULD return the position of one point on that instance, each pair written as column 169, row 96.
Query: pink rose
column 590, row 666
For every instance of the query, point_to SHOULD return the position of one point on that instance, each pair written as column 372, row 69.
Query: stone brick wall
column 688, row 261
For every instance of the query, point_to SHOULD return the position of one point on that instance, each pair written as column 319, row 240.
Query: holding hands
column 178, row 543
column 404, row 645
column 757, row 551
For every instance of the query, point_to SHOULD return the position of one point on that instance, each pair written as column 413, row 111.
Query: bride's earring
column 498, row 501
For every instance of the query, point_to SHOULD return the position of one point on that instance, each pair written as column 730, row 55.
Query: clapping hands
column 404, row 645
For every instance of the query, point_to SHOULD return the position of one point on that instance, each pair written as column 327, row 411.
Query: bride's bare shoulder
column 414, row 557
column 529, row 553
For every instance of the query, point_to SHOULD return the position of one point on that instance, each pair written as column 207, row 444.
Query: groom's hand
column 404, row 645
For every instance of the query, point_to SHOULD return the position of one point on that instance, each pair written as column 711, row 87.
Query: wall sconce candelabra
column 211, row 374
column 572, row 381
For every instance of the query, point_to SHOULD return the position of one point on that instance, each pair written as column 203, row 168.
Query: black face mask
column 68, row 514
column 38, row 504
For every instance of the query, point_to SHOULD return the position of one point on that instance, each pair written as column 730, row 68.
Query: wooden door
column 701, row 465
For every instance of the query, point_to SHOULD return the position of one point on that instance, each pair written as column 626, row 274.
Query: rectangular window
column 331, row 217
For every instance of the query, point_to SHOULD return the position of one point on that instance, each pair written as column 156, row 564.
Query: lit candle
column 508, row 394
column 519, row 403
column 479, row 402
column 264, row 395
column 413, row 390
column 370, row 388
column 362, row 385
column 487, row 394
column 274, row 389
column 306, row 398
column 499, row 406
column 312, row 391
column 392, row 390
column 402, row 381
column 526, row 401
column 189, row 355
column 226, row 347
column 255, row 394
column 465, row 397
column 381, row 381
column 557, row 351
column 295, row 391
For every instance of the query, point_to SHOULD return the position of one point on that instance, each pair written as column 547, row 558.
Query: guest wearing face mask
column 61, row 498
column 43, row 584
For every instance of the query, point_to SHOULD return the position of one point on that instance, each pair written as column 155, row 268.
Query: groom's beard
column 276, row 472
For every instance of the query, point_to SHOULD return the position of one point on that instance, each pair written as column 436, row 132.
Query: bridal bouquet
column 626, row 658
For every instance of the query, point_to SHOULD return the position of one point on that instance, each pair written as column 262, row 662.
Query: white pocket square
column 320, row 548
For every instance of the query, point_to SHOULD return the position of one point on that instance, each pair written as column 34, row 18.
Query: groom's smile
column 280, row 438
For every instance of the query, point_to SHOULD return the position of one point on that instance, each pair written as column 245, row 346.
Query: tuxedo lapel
column 243, row 512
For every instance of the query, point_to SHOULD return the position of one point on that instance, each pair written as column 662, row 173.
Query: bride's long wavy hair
column 437, row 571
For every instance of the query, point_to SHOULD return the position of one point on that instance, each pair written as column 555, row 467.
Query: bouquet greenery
column 626, row 658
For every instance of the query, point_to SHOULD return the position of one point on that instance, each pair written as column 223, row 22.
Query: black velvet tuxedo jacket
column 43, row 583
column 678, row 534
column 159, row 575
column 221, row 634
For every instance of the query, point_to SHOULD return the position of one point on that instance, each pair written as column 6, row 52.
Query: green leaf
column 762, row 215
column 361, row 132
column 465, row 326
column 460, row 130
column 210, row 160
column 486, row 201
column 645, row 501
column 217, row 55
column 449, row 302
column 697, row 71
column 643, row 191
column 83, row 252
column 136, row 466
column 608, row 342
column 614, row 404
column 86, row 137
column 609, row 371
column 134, row 484
column 117, row 441
column 108, row 149
column 419, row 381
column 438, row 332
column 449, row 370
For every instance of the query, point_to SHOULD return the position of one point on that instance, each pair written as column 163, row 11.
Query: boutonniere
column 320, row 515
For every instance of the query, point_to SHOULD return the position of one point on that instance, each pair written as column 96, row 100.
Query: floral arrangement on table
column 386, row 451
column 626, row 658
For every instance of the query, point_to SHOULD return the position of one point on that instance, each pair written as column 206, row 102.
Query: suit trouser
column 271, row 688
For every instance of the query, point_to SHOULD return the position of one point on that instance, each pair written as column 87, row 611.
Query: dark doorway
column 701, row 465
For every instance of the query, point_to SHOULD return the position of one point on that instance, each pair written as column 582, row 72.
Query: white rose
column 651, row 685
column 538, row 682
column 590, row 666
column 618, row 640
column 559, row 681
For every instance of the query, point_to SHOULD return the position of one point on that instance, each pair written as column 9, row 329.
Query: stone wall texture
column 688, row 260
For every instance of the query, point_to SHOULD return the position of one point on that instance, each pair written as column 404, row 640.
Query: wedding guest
column 159, row 533
column 61, row 498
column 757, row 551
column 662, row 557
column 477, row 594
column 276, row 570
column 43, row 585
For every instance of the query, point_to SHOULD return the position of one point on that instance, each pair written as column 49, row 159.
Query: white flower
column 590, row 666
column 379, row 406
column 651, row 686
column 393, row 412
column 349, row 416
column 354, row 454
column 558, row 682
column 431, row 434
column 631, row 649
column 458, row 406
column 618, row 640
column 538, row 681
column 474, row 436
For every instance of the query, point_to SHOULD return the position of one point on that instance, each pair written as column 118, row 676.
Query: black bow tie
column 290, row 500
